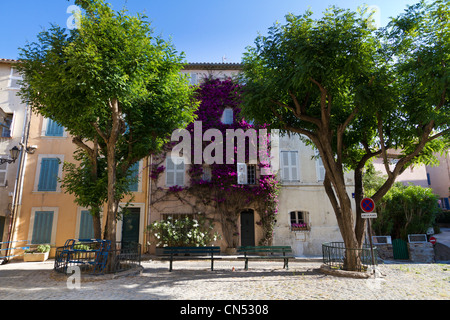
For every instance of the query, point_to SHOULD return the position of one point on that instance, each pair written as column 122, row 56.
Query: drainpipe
column 18, row 184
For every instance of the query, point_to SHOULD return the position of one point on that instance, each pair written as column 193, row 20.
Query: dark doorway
column 247, row 228
column 2, row 226
column 130, row 226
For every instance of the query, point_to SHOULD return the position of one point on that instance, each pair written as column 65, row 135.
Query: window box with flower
column 299, row 227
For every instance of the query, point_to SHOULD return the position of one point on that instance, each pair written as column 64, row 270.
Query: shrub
column 406, row 210
column 182, row 232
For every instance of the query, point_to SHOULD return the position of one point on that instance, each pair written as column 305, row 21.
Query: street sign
column 367, row 205
column 433, row 240
column 369, row 215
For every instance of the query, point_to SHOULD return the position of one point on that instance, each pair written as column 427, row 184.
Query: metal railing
column 95, row 256
column 336, row 255
column 8, row 252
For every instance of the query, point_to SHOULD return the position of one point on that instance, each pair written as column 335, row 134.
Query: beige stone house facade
column 14, row 117
column 305, row 217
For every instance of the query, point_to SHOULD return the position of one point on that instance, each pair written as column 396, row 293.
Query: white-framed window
column 3, row 171
column 194, row 78
column 175, row 171
column 320, row 168
column 246, row 173
column 289, row 166
column 49, row 168
column 7, row 125
column 241, row 169
column 227, row 116
column 135, row 174
column 299, row 220
column 14, row 78
column 43, row 222
column 51, row 128
column 444, row 203
column 251, row 174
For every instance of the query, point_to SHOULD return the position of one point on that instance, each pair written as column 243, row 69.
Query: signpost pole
column 368, row 205
column 369, row 222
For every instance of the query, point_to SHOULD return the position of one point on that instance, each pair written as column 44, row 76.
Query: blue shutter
column 86, row 225
column 134, row 174
column 54, row 129
column 446, row 203
column 48, row 175
column 42, row 228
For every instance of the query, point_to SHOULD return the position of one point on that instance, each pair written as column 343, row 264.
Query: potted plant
column 39, row 254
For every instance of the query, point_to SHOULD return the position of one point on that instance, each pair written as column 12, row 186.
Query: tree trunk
column 97, row 222
column 336, row 190
column 113, row 202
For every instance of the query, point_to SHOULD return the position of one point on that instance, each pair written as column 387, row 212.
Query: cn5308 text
column 240, row 309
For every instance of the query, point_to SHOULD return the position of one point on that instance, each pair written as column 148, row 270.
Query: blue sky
column 205, row 30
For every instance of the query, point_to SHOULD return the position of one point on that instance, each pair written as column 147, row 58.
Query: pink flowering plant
column 299, row 226
column 220, row 194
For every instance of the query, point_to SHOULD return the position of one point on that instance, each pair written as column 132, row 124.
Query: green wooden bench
column 191, row 253
column 272, row 253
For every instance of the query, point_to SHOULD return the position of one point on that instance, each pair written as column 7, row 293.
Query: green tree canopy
column 115, row 87
column 355, row 93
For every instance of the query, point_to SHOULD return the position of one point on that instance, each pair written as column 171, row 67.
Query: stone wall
column 421, row 252
column 385, row 251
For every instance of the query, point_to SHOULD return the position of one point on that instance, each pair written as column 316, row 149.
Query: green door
column 400, row 248
column 130, row 226
column 247, row 228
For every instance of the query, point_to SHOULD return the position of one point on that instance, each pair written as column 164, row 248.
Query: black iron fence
column 97, row 256
column 336, row 255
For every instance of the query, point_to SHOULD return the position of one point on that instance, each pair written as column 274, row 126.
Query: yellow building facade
column 47, row 213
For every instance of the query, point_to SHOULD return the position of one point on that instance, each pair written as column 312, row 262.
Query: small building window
column 251, row 174
column 289, row 166
column 299, row 221
column 5, row 125
column 134, row 171
column 193, row 78
column 320, row 168
column 86, row 230
column 175, row 171
column 3, row 171
column 227, row 116
column 54, row 129
column 42, row 227
column 206, row 176
column 49, row 170
column 14, row 79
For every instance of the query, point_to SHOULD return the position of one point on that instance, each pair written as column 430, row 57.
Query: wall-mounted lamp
column 14, row 153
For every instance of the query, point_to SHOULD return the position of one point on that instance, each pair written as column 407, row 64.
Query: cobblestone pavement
column 193, row 280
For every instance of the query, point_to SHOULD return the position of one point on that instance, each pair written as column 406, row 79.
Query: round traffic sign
column 367, row 205
column 433, row 240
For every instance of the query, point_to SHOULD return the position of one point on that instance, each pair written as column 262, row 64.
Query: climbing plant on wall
column 218, row 192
